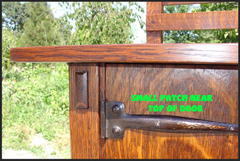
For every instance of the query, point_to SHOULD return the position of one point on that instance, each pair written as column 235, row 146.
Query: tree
column 14, row 15
column 65, row 30
column 40, row 28
column 102, row 22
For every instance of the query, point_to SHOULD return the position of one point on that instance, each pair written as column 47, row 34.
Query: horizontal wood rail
column 183, row 3
column 132, row 53
column 193, row 21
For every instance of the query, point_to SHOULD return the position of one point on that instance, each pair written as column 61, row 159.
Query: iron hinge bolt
column 116, row 130
column 116, row 108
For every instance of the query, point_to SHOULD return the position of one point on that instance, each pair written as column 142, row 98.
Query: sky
column 139, row 34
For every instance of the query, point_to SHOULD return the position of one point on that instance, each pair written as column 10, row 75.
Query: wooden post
column 155, row 37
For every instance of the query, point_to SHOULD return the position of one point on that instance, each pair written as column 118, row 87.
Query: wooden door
column 124, row 80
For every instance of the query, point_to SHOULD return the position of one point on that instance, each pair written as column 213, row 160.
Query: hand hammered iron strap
column 114, row 122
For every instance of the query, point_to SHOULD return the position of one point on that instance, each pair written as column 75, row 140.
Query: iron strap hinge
column 114, row 121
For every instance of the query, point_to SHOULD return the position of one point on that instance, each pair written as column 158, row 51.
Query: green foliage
column 35, row 96
column 102, row 22
column 40, row 28
column 202, row 36
column 64, row 29
column 14, row 15
column 35, row 101
column 218, row 6
column 8, row 41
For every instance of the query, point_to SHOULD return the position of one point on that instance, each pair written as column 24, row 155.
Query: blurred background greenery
column 35, row 95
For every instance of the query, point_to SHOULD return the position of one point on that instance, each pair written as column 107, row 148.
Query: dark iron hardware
column 114, row 121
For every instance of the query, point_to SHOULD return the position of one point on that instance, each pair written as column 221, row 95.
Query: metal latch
column 114, row 121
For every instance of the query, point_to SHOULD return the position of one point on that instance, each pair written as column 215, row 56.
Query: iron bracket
column 114, row 121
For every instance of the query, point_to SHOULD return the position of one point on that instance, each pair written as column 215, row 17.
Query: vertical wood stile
column 154, row 36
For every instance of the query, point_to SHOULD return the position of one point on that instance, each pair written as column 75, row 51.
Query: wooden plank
column 123, row 80
column 183, row 3
column 132, row 53
column 154, row 7
column 155, row 37
column 84, row 123
column 193, row 21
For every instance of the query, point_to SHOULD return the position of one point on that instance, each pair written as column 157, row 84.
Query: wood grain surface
column 183, row 3
column 155, row 37
column 123, row 80
column 131, row 53
column 102, row 94
column 193, row 21
column 84, row 123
